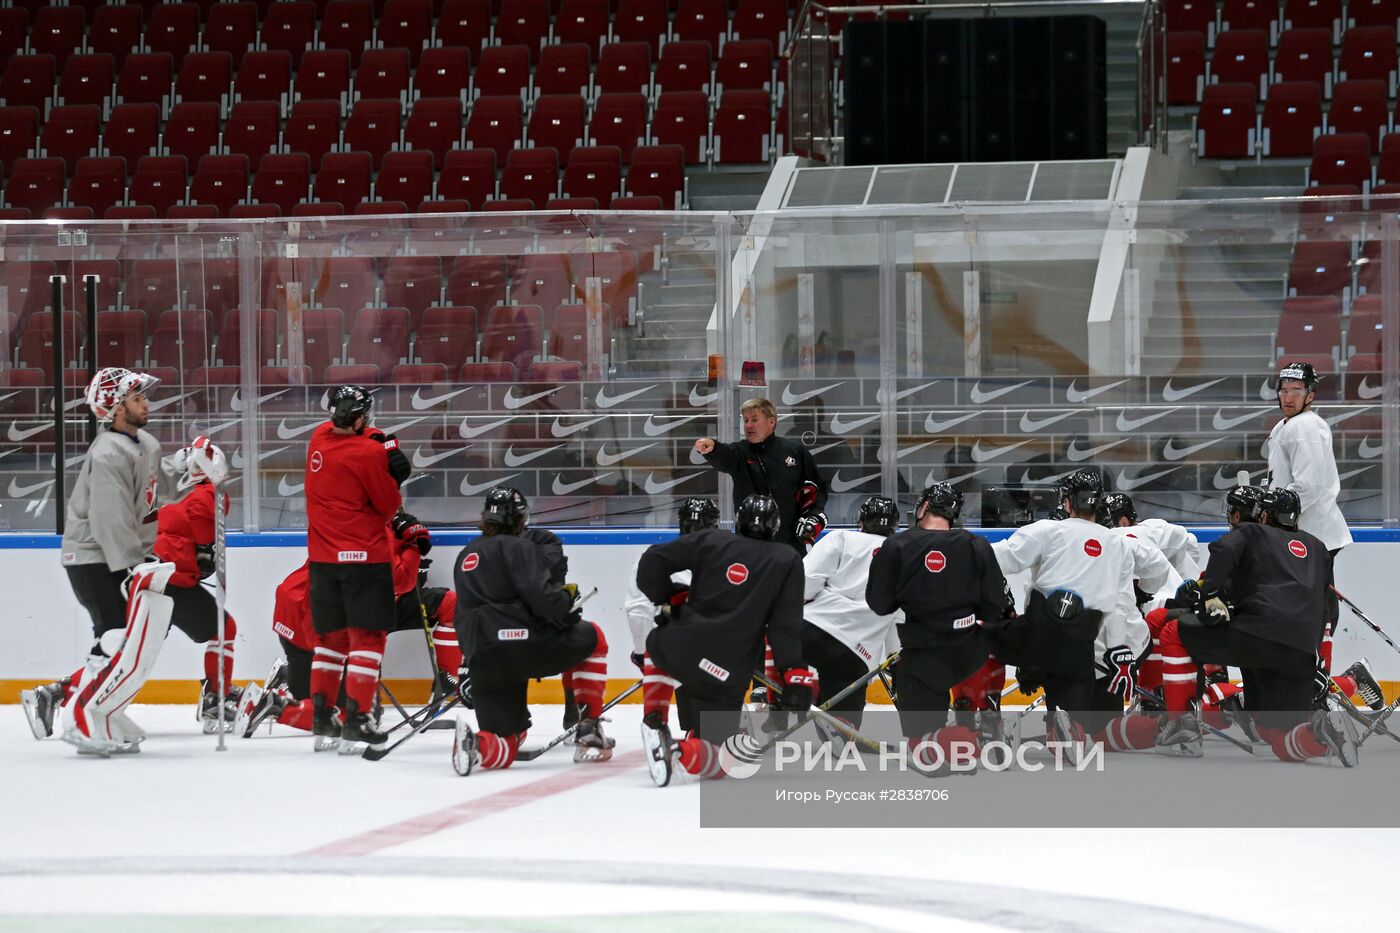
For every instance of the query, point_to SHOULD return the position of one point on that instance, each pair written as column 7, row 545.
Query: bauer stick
column 1364, row 618
column 807, row 717
column 530, row 754
column 819, row 714
column 220, row 599
column 429, row 714
column 1380, row 718
column 1350, row 709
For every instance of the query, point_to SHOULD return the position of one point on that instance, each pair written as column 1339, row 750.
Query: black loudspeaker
column 1079, row 76
column 991, row 57
column 904, row 92
column 945, row 119
column 865, row 93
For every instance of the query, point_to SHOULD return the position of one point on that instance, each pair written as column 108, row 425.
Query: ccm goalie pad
column 94, row 717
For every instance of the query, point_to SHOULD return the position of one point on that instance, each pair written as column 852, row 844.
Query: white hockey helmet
column 110, row 387
column 206, row 462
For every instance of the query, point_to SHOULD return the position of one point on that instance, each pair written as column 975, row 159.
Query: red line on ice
column 395, row 834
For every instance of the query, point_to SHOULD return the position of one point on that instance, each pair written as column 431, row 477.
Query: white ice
column 183, row 831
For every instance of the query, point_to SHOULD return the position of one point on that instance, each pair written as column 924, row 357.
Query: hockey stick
column 1350, row 709
column 850, row 688
column 1380, row 718
column 1203, row 724
column 1364, row 618
column 835, row 723
column 530, row 754
column 220, row 581
column 430, row 715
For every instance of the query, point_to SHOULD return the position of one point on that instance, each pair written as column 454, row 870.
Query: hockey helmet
column 1115, row 506
column 505, row 507
column 110, row 387
column 1247, row 500
column 879, row 515
column 205, row 462
column 1301, row 371
column 348, row 402
column 697, row 514
column 939, row 499
column 1282, row 506
column 758, row 517
column 1083, row 489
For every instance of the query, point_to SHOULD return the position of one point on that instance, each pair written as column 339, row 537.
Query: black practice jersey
column 504, row 592
column 1277, row 580
column 777, row 467
column 945, row 581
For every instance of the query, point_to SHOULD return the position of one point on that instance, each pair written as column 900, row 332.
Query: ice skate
column 359, row 731
column 1180, row 737
column 1232, row 708
column 963, row 714
column 40, row 705
column 325, row 727
column 1366, row 686
column 1338, row 732
column 247, row 702
column 277, row 676
column 590, row 744
column 1061, row 728
column 656, row 739
column 991, row 728
column 266, row 706
column 465, row 755
column 209, row 714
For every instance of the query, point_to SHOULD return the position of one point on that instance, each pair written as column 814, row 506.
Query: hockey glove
column 410, row 530
column 1123, row 670
column 1217, row 612
column 1188, row 596
column 464, row 687
column 797, row 689
column 204, row 559
column 809, row 527
column 399, row 467
column 1322, row 679
column 1028, row 681
column 638, row 659
column 572, row 590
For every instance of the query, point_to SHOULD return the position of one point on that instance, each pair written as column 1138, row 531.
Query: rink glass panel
column 983, row 345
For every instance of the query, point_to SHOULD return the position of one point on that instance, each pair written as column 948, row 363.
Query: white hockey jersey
column 1084, row 557
column 836, row 569
column 1177, row 545
column 1300, row 458
column 641, row 614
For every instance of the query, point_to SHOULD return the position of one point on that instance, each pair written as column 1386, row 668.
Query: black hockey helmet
column 506, row 507
column 1282, row 506
column 1247, row 500
column 1083, row 489
column 758, row 517
column 348, row 402
column 940, row 499
column 697, row 513
column 1116, row 505
column 879, row 515
column 1301, row 371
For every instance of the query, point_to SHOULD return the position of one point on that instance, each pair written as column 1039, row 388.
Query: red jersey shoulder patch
column 1297, row 548
column 737, row 573
column 317, row 461
column 470, row 562
column 1093, row 548
column 935, row 561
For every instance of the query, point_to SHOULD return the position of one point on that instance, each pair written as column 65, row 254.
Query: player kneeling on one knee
column 515, row 625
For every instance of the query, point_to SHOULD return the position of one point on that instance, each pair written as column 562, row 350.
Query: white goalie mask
column 110, row 387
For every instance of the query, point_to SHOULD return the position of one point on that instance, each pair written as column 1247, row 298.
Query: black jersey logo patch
column 934, row 561
column 737, row 574
column 1297, row 548
column 470, row 561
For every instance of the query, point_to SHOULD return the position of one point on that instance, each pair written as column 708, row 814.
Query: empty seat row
column 1211, row 21
column 1229, row 126
column 1313, row 327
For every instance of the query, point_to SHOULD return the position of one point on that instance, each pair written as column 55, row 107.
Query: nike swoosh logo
column 651, row 429
column 237, row 459
column 1221, row 423
column 880, row 393
column 157, row 406
column 1365, row 451
column 236, row 403
column 401, row 426
column 513, row 460
column 10, row 395
column 563, row 430
column 1125, row 423
column 698, row 400
column 655, row 488
column 1365, row 390
column 512, row 402
column 17, row 435
column 1356, row 472
column 422, row 461
column 1075, row 395
column 19, row 492
column 1173, row 452
column 285, row 433
column 1338, row 419
column 469, row 488
column 1221, row 481
column 1030, row 425
column 937, row 427
column 604, row 400
column 816, row 450
column 419, row 402
column 846, row 427
column 846, row 485
column 790, row 399
column 221, row 426
column 607, row 459
column 1267, row 393
column 909, row 450
column 563, row 489
column 1127, row 484
column 285, row 488
column 469, row 432
column 979, row 397
column 1175, row 395
column 1074, row 455
column 979, row 455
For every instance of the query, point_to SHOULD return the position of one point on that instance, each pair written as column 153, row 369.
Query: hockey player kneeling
column 947, row 582
column 514, row 625
column 744, row 586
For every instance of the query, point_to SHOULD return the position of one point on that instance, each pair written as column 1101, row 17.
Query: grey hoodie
column 111, row 517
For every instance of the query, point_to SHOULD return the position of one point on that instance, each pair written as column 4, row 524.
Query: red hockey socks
column 1150, row 670
column 328, row 664
column 1129, row 734
column 362, row 667
column 657, row 689
column 1325, row 649
column 446, row 648
column 953, row 741
column 700, row 758
column 770, row 670
column 1346, row 684
column 211, row 656
column 590, row 678
column 1178, row 670
column 498, row 751
column 983, row 688
column 1297, row 744
column 298, row 715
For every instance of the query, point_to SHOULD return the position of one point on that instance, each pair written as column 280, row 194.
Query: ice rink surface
column 269, row 835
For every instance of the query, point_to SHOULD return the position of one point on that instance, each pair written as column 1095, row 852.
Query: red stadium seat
column 495, row 124
column 557, row 123
column 506, row 206
column 523, row 22
column 192, row 131
column 116, row 31
column 743, row 129
column 407, row 24
column 1341, row 159
column 1241, row 57
column 701, row 19
column 443, row 206
column 563, row 69
column 1373, row 12
column 323, row 330
column 405, row 176
column 109, row 281
column 346, row 282
column 70, row 133
column 1313, row 14
column 324, row 74
column 443, row 73
column 639, row 202
column 640, row 21
column 1249, row 14
column 379, row 338
column 447, row 337
column 435, row 125
column 383, row 74
column 1186, row 65
column 252, row 129
column 249, row 210
column 150, row 285
column 541, row 279
column 477, row 281
column 1193, row 15
column 205, row 76
column 348, row 25
column 57, row 31
column 98, row 183
column 380, row 208
column 767, row 20
column 121, row 339
column 1359, row 107
column 68, row 213
column 264, row 76
column 1320, row 267
column 516, row 340
column 658, row 171
column 130, row 212
column 282, row 376
column 531, row 175
column 624, row 68
column 1368, row 52
column 220, row 283
column 571, row 204
column 619, row 120
column 173, row 28
column 132, row 131
column 412, row 282
column 36, row 340
column 215, row 376
column 19, row 134
column 1305, row 55
column 568, row 338
column 1365, row 328
column 28, row 80
column 468, row 175
column 684, row 66
column 29, row 287
column 419, row 374
column 502, row 70
column 554, row 371
column 373, row 127
column 1226, row 124
column 289, row 26
column 87, row 79
column 282, row 179
column 146, row 78
column 464, row 23
column 231, row 28
column 35, row 184
column 617, row 273
column 682, row 119
column 584, row 22
column 1309, row 326
column 486, row 372
column 1292, row 119
column 592, row 178
column 313, row 128
column 745, row 65
column 221, row 181
column 1388, row 168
